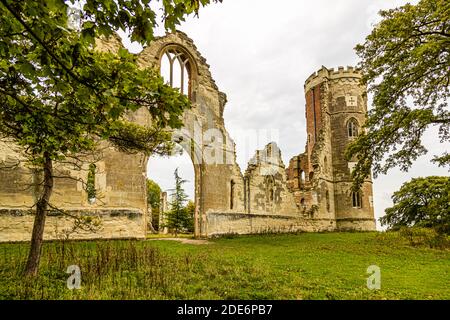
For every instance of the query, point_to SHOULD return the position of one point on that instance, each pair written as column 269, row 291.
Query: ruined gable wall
column 268, row 198
column 267, row 181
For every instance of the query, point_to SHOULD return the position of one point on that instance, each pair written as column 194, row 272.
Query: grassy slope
column 306, row 266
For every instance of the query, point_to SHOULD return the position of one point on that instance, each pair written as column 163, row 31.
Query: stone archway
column 179, row 160
column 203, row 136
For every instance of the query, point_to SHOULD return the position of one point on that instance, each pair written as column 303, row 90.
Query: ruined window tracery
column 176, row 69
column 352, row 128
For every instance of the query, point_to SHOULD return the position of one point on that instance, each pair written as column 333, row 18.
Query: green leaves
column 88, row 34
column 153, row 195
column 60, row 96
column 130, row 138
column 178, row 218
column 421, row 202
column 406, row 64
column 26, row 68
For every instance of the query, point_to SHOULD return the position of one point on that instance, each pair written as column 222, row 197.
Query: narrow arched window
column 301, row 178
column 327, row 198
column 352, row 128
column 176, row 69
column 90, row 184
column 232, row 194
column 270, row 189
column 356, row 200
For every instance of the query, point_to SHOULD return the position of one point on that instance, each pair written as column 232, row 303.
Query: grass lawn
column 303, row 266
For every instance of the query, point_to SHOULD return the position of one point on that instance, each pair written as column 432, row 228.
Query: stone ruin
column 312, row 194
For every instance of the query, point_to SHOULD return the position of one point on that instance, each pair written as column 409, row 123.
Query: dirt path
column 184, row 240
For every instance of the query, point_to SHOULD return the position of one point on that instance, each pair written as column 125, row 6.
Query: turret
column 336, row 108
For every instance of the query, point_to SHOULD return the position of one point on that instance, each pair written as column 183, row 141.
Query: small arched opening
column 301, row 179
column 232, row 183
column 356, row 200
column 327, row 199
column 303, row 203
column 352, row 128
column 270, row 190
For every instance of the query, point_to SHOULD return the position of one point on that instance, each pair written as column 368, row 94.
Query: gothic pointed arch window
column 352, row 128
column 177, row 69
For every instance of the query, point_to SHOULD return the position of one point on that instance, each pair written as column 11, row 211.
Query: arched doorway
column 160, row 177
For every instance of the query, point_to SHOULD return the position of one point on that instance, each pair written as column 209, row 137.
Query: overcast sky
column 260, row 53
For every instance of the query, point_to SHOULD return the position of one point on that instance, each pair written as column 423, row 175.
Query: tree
column 60, row 96
column 406, row 64
column 421, row 202
column 190, row 210
column 153, row 200
column 177, row 217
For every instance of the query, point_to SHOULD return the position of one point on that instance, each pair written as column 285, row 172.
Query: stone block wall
column 311, row 195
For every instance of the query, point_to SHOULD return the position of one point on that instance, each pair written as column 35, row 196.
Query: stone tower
column 336, row 107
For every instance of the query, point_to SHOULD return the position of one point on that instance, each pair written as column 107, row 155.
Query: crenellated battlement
column 331, row 74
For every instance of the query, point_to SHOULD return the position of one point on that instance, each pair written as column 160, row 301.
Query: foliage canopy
column 421, row 202
column 406, row 65
column 60, row 95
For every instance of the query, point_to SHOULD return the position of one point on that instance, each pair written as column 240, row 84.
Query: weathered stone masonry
column 312, row 194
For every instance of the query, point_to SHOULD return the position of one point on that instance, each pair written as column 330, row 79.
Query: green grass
column 169, row 235
column 304, row 266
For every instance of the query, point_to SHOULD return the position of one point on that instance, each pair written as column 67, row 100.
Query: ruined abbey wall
column 311, row 194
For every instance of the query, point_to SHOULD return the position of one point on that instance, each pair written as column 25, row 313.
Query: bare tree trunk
column 34, row 255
